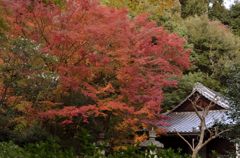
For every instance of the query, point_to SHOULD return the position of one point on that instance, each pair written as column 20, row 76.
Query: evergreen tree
column 234, row 20
column 193, row 7
column 217, row 11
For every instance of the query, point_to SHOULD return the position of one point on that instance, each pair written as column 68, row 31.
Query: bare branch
column 215, row 136
column 185, row 140
column 202, row 112
column 210, row 132
column 195, row 108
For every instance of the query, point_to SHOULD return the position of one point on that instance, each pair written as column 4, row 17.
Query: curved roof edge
column 208, row 93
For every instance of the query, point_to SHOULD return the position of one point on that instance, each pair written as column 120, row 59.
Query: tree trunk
column 194, row 154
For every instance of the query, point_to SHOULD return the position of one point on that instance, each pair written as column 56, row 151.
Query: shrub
column 170, row 153
column 134, row 152
column 10, row 150
column 48, row 149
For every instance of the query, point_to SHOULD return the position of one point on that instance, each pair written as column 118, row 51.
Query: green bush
column 131, row 152
column 49, row 149
column 170, row 153
column 10, row 150
column 134, row 152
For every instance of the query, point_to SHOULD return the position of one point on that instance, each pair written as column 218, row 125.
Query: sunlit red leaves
column 69, row 112
column 73, row 111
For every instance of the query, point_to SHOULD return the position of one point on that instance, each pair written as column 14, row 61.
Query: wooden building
column 184, row 120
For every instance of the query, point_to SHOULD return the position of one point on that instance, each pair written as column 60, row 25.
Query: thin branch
column 215, row 136
column 185, row 141
column 195, row 108
column 210, row 132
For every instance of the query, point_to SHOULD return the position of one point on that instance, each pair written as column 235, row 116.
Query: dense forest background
column 71, row 71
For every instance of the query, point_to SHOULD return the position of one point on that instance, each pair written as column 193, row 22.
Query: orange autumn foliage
column 120, row 64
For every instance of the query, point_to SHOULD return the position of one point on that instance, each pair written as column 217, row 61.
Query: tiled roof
column 185, row 122
column 207, row 93
column 211, row 95
column 188, row 122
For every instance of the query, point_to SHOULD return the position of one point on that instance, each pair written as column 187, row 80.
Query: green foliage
column 49, row 149
column 80, row 139
column 234, row 96
column 215, row 48
column 130, row 152
column 173, row 96
column 26, row 83
column 155, row 8
column 27, row 72
column 33, row 76
column 170, row 153
column 3, row 29
column 194, row 7
column 135, row 152
column 214, row 51
column 10, row 150
column 219, row 12
column 32, row 134
column 234, row 18
column 3, row 24
column 229, row 17
column 60, row 3
column 175, row 24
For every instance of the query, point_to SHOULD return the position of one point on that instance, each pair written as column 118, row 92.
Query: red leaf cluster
column 89, row 40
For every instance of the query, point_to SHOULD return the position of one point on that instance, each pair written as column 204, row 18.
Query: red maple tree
column 122, row 64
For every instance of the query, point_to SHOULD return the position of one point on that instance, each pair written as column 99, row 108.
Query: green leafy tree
column 217, row 11
column 193, row 7
column 26, row 83
column 235, row 18
column 11, row 150
column 156, row 8
column 234, row 97
column 215, row 51
column 215, row 47
column 174, row 96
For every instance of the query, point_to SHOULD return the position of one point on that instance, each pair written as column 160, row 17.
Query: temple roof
column 188, row 121
column 208, row 93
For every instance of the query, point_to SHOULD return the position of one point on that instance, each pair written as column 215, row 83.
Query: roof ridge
column 212, row 95
column 207, row 93
column 210, row 111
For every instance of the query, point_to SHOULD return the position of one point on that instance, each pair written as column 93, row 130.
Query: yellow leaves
column 128, row 124
column 23, row 82
column 47, row 105
column 122, row 147
column 153, row 7
column 23, row 106
column 25, row 116
column 21, row 123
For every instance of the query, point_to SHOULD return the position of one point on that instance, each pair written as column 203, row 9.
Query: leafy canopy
column 215, row 51
column 117, row 64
